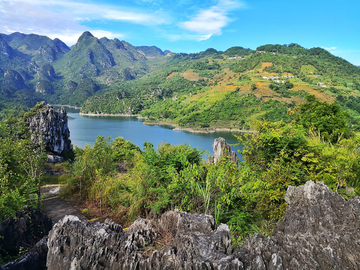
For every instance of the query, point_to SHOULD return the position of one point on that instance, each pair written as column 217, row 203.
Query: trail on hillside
column 56, row 207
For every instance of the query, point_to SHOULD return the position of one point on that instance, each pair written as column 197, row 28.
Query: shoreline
column 108, row 114
column 69, row 106
column 191, row 130
column 176, row 127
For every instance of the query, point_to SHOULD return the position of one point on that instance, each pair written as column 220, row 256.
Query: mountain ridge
column 188, row 90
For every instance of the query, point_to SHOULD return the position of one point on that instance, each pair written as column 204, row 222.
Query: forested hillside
column 231, row 89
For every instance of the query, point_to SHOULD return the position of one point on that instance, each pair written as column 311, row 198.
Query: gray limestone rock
column 34, row 259
column 23, row 233
column 222, row 148
column 320, row 230
column 51, row 126
column 54, row 158
column 177, row 241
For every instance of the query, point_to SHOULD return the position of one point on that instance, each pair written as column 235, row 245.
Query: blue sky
column 194, row 25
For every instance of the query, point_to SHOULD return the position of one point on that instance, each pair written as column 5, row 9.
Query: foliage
column 238, row 51
column 328, row 119
column 232, row 108
column 21, row 165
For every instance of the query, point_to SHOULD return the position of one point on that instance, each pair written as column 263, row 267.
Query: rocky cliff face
column 320, row 230
column 52, row 126
column 222, row 148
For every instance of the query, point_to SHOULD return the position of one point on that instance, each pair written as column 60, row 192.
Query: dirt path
column 55, row 207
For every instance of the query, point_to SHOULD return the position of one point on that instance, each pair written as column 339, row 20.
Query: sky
column 193, row 25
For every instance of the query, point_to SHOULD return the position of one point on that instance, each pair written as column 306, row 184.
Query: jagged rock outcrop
column 52, row 126
column 191, row 242
column 320, row 230
column 222, row 148
column 34, row 259
column 21, row 233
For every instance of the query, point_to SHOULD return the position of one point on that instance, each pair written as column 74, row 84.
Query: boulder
column 54, row 158
column 320, row 230
column 222, row 148
column 178, row 240
column 22, row 233
column 51, row 126
column 34, row 259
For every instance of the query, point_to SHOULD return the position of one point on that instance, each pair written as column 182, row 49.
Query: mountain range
column 36, row 67
column 199, row 90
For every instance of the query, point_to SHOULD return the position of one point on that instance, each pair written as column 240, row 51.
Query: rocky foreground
column 320, row 230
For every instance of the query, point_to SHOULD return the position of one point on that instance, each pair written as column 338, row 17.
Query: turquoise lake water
column 84, row 130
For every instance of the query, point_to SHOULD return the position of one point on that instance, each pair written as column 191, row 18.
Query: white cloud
column 62, row 19
column 84, row 11
column 211, row 21
column 26, row 18
column 108, row 34
column 329, row 48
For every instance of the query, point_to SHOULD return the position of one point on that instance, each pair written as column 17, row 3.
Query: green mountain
column 94, row 64
column 231, row 89
column 209, row 89
column 46, row 69
column 41, row 48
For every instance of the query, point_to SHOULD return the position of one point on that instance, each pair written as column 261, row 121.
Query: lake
column 84, row 130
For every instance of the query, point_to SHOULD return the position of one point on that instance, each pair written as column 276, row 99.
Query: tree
column 32, row 161
column 21, row 165
column 91, row 161
column 289, row 85
column 328, row 119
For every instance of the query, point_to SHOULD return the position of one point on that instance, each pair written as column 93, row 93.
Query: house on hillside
column 239, row 57
column 271, row 78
